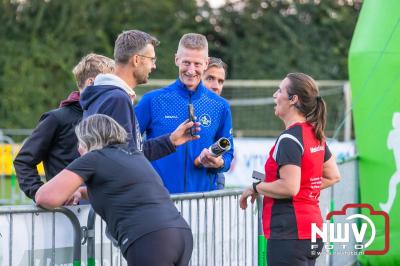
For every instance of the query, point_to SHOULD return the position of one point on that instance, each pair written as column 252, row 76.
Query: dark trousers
column 292, row 252
column 166, row 247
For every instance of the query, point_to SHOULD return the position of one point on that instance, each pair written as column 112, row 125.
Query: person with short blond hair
column 89, row 67
column 53, row 141
column 161, row 110
column 193, row 41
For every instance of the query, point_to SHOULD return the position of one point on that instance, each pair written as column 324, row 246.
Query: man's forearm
column 157, row 148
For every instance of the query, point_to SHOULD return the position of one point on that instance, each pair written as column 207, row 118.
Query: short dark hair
column 130, row 42
column 217, row 62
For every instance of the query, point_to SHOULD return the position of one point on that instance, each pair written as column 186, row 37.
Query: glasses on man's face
column 153, row 59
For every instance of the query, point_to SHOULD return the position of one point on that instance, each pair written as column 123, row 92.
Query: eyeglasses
column 153, row 59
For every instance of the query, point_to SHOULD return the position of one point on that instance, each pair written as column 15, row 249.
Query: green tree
column 42, row 40
column 268, row 38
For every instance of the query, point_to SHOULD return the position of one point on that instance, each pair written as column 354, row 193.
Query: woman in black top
column 126, row 192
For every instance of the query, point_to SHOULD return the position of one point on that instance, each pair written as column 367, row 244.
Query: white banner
column 252, row 153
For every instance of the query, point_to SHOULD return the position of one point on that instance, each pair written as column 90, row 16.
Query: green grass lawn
column 10, row 194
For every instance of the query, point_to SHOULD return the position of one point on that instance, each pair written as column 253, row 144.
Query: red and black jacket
column 291, row 218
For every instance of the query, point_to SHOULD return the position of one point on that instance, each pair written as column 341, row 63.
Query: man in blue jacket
column 213, row 79
column 113, row 94
column 215, row 75
column 162, row 110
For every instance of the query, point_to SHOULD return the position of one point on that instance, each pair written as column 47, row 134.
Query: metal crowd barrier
column 100, row 250
column 223, row 234
column 30, row 258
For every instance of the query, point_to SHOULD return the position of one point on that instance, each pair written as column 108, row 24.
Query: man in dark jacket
column 113, row 94
column 53, row 141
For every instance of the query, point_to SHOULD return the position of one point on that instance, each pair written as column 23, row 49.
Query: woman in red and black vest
column 299, row 166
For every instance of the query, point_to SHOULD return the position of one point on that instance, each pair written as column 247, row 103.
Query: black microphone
column 192, row 118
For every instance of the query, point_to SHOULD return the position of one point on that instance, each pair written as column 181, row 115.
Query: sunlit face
column 281, row 98
column 147, row 63
column 191, row 63
column 214, row 79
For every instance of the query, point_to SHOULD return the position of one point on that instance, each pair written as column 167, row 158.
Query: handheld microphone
column 217, row 149
column 192, row 118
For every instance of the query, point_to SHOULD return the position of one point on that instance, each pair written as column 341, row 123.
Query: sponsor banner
column 251, row 154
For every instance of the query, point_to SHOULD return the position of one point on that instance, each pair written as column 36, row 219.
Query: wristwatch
column 255, row 186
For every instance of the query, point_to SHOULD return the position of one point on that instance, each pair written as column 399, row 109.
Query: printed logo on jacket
column 205, row 120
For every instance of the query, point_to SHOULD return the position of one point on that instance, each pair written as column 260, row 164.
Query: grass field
column 10, row 194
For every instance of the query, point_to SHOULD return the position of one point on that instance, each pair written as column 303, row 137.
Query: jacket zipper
column 186, row 155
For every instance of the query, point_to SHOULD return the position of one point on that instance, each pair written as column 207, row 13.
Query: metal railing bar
column 53, row 240
column 222, row 230
column 32, row 258
column 35, row 209
column 211, row 194
column 237, row 231
column 205, row 229
column 245, row 236
column 198, row 230
column 10, row 239
column 214, row 230
column 91, row 250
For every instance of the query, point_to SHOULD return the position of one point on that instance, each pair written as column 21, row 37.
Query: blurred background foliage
column 41, row 41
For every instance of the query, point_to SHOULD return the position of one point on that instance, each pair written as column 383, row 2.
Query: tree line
column 42, row 40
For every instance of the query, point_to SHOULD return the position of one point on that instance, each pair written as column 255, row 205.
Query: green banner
column 374, row 69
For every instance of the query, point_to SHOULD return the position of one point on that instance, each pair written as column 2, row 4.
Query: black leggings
column 169, row 247
column 292, row 252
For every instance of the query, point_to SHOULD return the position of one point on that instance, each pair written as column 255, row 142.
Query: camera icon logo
column 340, row 232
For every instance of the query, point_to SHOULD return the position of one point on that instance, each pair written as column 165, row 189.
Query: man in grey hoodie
column 113, row 95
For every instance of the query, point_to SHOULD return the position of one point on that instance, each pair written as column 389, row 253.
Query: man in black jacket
column 54, row 141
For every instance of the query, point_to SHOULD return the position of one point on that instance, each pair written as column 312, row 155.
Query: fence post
column 77, row 234
column 262, row 244
column 91, row 223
